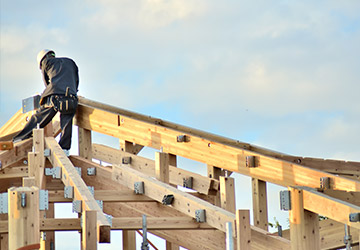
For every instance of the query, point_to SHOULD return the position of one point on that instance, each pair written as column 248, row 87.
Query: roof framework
column 25, row 165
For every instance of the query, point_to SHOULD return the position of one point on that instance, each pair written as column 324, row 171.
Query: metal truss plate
column 200, row 215
column 76, row 206
column 44, row 200
column 354, row 217
column 31, row 103
column 250, row 161
column 101, row 204
column 3, row 203
column 91, row 171
column 285, row 200
column 126, row 160
column 47, row 152
column 54, row 172
column 69, row 192
column 188, row 182
column 168, row 199
column 139, row 187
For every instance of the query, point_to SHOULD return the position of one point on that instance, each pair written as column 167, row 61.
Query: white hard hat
column 42, row 54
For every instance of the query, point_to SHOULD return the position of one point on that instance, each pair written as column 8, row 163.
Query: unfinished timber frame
column 36, row 174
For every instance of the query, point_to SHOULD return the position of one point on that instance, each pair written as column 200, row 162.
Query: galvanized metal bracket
column 92, row 190
column 183, row 138
column 139, row 187
column 30, row 103
column 69, row 192
column 200, row 215
column 126, row 160
column 144, row 244
column 76, row 206
column 44, row 200
column 285, row 200
column 109, row 218
column 101, row 204
column 354, row 217
column 23, row 199
column 54, row 172
column 251, row 161
column 325, row 183
column 4, row 203
column 91, row 171
column 78, row 170
column 188, row 182
column 168, row 199
column 47, row 152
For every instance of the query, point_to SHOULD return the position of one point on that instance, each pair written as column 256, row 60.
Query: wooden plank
column 192, row 240
column 84, row 136
column 70, row 177
column 227, row 194
column 259, row 198
column 29, row 181
column 328, row 206
column 14, row 125
column 350, row 197
column 207, row 151
column 162, row 167
column 19, row 152
column 89, row 230
column 327, row 165
column 201, row 183
column 13, row 172
column 24, row 228
column 243, row 230
column 183, row 202
column 130, row 147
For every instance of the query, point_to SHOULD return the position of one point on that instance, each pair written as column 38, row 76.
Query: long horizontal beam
column 125, row 223
column 70, row 177
column 13, row 172
column 57, row 196
column 102, row 180
column 205, row 150
column 328, row 206
column 14, row 125
column 183, row 202
column 200, row 183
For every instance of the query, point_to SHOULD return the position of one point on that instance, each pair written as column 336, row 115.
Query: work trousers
column 42, row 117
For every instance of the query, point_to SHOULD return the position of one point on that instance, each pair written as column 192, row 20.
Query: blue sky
column 279, row 74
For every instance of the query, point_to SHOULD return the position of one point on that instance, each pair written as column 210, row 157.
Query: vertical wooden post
column 84, row 137
column 89, row 230
column 259, row 197
column 227, row 194
column 243, row 230
column 24, row 218
column 130, row 147
column 129, row 236
column 162, row 167
column 304, row 225
column 4, row 237
column 215, row 173
column 28, row 181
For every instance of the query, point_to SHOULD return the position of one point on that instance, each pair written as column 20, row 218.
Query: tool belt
column 65, row 104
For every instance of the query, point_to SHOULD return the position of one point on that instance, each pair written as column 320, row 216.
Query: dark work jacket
column 58, row 74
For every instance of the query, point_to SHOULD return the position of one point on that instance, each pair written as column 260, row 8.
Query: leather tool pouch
column 65, row 104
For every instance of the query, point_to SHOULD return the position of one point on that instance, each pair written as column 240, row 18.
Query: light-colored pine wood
column 84, row 145
column 88, row 234
column 259, row 198
column 19, row 152
column 130, row 147
column 29, row 181
column 201, row 183
column 70, row 177
column 24, row 227
column 162, row 167
column 243, row 230
column 328, row 206
column 227, row 194
column 13, row 172
column 207, row 151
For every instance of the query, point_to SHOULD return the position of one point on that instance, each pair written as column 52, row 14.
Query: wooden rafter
column 70, row 177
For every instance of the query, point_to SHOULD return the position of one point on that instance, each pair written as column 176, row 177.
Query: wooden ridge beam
column 326, row 165
column 14, row 125
column 201, row 183
column 183, row 202
column 70, row 177
column 330, row 207
column 202, row 240
column 205, row 150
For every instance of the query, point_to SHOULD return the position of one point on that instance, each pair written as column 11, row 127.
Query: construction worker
column 61, row 80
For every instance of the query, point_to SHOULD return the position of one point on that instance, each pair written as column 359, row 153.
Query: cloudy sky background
column 278, row 74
